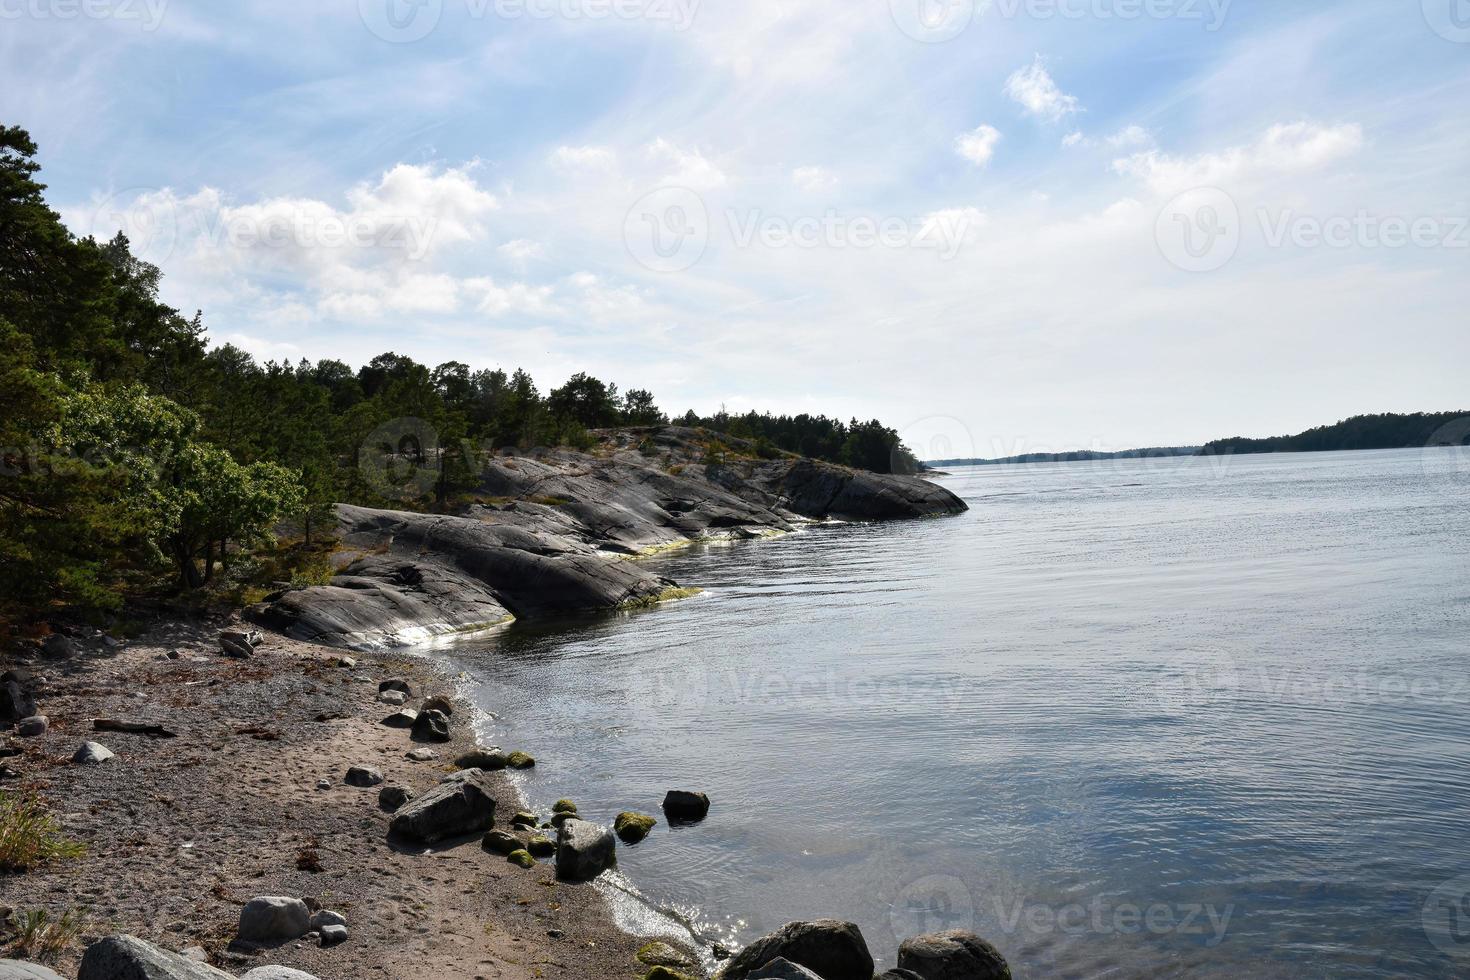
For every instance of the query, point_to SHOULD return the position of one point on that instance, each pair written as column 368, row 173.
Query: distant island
column 1080, row 455
column 1386, row 431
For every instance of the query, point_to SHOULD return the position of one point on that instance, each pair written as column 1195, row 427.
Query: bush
column 29, row 835
column 38, row 937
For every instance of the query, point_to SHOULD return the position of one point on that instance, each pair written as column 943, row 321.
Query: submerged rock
column 520, row 760
column 952, row 955
column 683, row 805
column 833, row 949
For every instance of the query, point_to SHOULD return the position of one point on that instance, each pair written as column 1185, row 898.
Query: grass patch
column 30, row 836
column 36, row 936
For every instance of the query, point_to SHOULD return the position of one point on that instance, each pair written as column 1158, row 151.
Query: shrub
column 30, row 836
column 39, row 937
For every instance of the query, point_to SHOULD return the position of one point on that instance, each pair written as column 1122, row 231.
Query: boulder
column 393, row 798
column 584, row 850
column 681, row 804
column 276, row 973
column 16, row 970
column 633, row 827
column 15, row 703
column 952, row 955
column 58, row 647
column 363, row 777
column 832, row 949
column 431, row 726
column 482, row 758
column 464, row 806
column 92, row 754
column 271, row 920
column 783, row 969
column 402, row 719
column 499, row 842
column 33, row 727
column 129, row 958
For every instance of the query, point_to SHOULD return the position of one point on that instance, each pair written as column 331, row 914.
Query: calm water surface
column 1178, row 717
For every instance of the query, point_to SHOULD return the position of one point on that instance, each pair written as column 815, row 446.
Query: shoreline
column 181, row 832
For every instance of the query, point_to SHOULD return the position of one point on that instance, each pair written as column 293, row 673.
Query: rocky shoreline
column 266, row 805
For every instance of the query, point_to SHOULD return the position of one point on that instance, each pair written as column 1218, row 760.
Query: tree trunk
column 208, row 561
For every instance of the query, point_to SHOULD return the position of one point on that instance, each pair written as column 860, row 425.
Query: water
column 1178, row 717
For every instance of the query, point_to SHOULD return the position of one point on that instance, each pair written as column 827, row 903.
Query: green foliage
column 30, row 836
column 864, row 445
column 1360, row 432
column 37, row 937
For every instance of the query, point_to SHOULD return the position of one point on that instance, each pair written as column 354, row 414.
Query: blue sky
column 1000, row 227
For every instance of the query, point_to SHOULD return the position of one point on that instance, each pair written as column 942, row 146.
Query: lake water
column 1182, row 717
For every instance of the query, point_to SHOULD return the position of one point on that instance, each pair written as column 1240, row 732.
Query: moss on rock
column 521, row 857
column 633, row 827
column 520, row 760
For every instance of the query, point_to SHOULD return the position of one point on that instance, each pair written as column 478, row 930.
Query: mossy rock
column 523, row 819
column 562, row 816
column 521, row 857
column 564, row 806
column 520, row 760
column 541, row 846
column 633, row 827
column 664, row 973
column 499, row 842
column 659, row 953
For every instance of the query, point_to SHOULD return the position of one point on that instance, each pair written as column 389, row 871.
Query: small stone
column 523, row 818
column 482, row 758
column 92, row 754
column 32, row 727
column 401, row 719
column 174, row 655
column 683, row 805
column 347, row 662
column 633, row 827
column 326, row 917
column 422, row 755
column 363, row 776
column 392, row 798
column 239, row 644
column 332, row 935
column 393, row 697
column 555, row 933
column 522, row 858
column 541, row 846
column 660, row 953
column 15, row 701
column 520, row 760
column 274, row 919
column 324, row 783
column 396, row 684
column 664, row 973
column 276, row 973
column 431, row 726
column 499, row 842
column 562, row 816
column 437, row 703
column 58, row 647
column 721, row 952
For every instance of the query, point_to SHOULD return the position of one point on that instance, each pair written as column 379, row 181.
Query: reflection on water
column 1168, row 717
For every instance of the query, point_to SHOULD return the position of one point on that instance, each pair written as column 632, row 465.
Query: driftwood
column 131, row 728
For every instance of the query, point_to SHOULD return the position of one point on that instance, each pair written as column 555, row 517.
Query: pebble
column 32, row 727
column 332, row 935
column 92, row 754
column 324, row 783
column 363, row 776
column 423, row 755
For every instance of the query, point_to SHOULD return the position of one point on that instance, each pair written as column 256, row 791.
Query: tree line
column 1385, row 431
column 132, row 454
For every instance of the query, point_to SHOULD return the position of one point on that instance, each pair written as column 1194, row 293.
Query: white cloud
column 685, row 168
column 584, row 159
column 813, row 179
column 1074, row 138
column 522, row 250
column 1283, row 149
column 1036, row 92
column 978, row 145
column 1131, row 136
column 494, row 299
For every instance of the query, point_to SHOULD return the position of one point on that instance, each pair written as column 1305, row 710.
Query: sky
column 1000, row 227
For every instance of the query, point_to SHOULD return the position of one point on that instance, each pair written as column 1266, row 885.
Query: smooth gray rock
column 500, row 842
column 584, row 850
column 952, row 955
column 130, row 958
column 276, row 973
column 332, row 935
column 273, row 919
column 92, row 754
column 17, row 970
column 681, row 804
column 832, row 949
column 401, row 719
column 463, row 806
column 431, row 726
column 33, row 727
column 326, row 917
column 783, row 969
column 422, row 755
column 15, row 703
column 394, row 698
column 363, row 777
column 395, row 684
